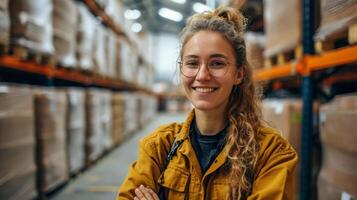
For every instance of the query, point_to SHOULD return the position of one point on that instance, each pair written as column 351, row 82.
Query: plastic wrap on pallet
column 4, row 22
column 118, row 118
column 118, row 59
column 127, row 65
column 111, row 53
column 99, row 56
column 31, row 25
column 130, row 113
column 99, row 123
column 17, row 143
column 85, row 37
column 338, row 137
column 255, row 44
column 106, row 119
column 115, row 10
column 65, row 20
column 50, row 114
column 335, row 16
column 282, row 22
column 76, row 129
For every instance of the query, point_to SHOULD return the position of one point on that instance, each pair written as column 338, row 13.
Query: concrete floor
column 103, row 180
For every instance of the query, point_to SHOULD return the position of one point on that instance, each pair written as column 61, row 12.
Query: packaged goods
column 282, row 22
column 99, row 56
column 76, row 129
column 4, row 22
column 31, row 25
column 85, row 38
column 336, row 17
column 99, row 124
column 65, row 20
column 338, row 137
column 118, row 118
column 50, row 123
column 17, row 143
column 255, row 44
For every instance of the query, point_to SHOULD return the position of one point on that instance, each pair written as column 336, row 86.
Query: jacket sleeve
column 276, row 178
column 145, row 171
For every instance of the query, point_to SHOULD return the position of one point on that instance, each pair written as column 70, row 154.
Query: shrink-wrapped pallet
column 111, row 53
column 283, row 26
column 336, row 16
column 130, row 113
column 115, row 10
column 99, row 56
column 99, row 124
column 65, row 20
column 4, row 23
column 50, row 117
column 31, row 25
column 127, row 63
column 85, row 38
column 255, row 44
column 106, row 119
column 76, row 129
column 17, row 143
column 338, row 137
column 118, row 59
column 118, row 118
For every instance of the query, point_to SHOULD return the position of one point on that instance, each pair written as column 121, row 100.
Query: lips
column 205, row 89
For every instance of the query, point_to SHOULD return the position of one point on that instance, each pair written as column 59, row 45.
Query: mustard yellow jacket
column 273, row 174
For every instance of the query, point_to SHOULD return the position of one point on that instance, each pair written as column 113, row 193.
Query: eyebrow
column 211, row 56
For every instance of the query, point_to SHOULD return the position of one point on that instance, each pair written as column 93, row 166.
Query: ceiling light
column 136, row 27
column 199, row 7
column 170, row 14
column 179, row 1
column 132, row 14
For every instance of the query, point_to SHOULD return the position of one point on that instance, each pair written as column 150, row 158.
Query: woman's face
column 207, row 92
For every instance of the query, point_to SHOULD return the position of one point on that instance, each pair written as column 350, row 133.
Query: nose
column 203, row 73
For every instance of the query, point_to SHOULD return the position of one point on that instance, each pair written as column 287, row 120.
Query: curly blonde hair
column 243, row 110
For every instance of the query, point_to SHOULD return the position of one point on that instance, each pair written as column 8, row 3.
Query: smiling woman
column 223, row 150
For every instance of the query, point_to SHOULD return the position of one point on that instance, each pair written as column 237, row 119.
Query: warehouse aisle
column 102, row 180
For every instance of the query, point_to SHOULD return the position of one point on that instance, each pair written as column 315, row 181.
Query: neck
column 210, row 122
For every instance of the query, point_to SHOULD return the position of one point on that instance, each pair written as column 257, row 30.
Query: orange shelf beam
column 72, row 76
column 280, row 71
column 332, row 59
column 17, row 64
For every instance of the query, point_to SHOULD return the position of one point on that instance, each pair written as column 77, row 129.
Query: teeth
column 205, row 90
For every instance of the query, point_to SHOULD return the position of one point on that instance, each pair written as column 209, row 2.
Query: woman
column 223, row 150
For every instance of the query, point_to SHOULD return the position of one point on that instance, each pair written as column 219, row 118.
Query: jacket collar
column 185, row 129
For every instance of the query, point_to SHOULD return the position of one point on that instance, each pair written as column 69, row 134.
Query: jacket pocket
column 175, row 181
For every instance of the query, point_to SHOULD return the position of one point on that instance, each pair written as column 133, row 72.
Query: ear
column 239, row 76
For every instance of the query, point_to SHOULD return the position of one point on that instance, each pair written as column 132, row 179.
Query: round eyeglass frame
column 181, row 64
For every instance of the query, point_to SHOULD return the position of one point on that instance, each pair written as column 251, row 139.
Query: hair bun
column 232, row 16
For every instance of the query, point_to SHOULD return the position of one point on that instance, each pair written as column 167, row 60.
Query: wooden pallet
column 339, row 39
column 33, row 56
column 284, row 57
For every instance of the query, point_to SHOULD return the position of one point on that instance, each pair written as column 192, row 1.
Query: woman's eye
column 217, row 64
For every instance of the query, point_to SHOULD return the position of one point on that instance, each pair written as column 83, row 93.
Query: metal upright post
column 307, row 112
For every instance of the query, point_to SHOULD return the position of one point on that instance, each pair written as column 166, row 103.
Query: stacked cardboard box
column 99, row 123
column 31, row 24
column 4, row 23
column 99, row 56
column 285, row 116
column 336, row 17
column 17, row 143
column 50, row 123
column 75, row 129
column 338, row 175
column 65, row 20
column 283, row 26
column 118, row 118
column 255, row 44
column 111, row 53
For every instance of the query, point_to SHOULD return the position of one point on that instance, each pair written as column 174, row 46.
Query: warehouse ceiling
column 152, row 21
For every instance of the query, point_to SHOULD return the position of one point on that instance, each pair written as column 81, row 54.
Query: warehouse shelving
column 50, row 72
column 309, row 63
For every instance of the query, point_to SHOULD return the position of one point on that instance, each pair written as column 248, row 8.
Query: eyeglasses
column 216, row 68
